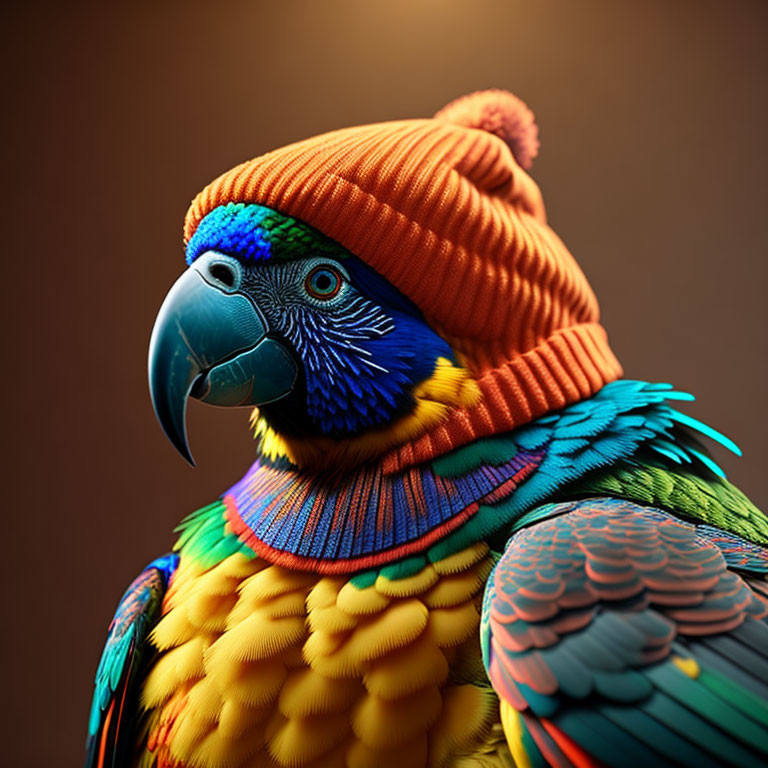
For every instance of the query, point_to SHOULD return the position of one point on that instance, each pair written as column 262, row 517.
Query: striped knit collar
column 370, row 517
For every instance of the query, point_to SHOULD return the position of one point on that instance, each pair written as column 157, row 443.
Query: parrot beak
column 210, row 341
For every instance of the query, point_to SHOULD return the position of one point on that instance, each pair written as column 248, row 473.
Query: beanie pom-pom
column 500, row 113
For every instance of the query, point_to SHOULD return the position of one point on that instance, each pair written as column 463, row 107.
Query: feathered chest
column 259, row 665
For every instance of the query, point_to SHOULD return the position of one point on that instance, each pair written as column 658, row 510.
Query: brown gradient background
column 654, row 163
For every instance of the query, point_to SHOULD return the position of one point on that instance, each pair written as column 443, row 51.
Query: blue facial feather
column 362, row 352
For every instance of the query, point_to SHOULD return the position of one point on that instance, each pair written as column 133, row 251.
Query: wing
column 124, row 657
column 616, row 635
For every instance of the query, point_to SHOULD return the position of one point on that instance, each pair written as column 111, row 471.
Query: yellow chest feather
column 263, row 667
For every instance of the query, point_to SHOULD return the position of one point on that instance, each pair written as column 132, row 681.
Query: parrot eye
column 323, row 282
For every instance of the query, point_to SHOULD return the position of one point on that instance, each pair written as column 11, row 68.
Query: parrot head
column 272, row 313
column 389, row 290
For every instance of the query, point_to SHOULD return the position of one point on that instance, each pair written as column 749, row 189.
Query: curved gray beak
column 210, row 341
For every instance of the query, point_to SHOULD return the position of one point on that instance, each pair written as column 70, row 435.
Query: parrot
column 466, row 540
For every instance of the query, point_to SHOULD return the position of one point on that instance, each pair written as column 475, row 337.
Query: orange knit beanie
column 444, row 209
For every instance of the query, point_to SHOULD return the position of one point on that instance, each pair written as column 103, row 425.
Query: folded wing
column 114, row 708
column 616, row 635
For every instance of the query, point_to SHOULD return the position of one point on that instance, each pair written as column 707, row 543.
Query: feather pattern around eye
column 362, row 352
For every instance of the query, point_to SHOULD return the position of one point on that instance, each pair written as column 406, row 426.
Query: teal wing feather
column 113, row 708
column 622, row 638
column 624, row 423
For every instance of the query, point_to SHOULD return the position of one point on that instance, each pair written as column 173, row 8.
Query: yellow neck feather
column 448, row 387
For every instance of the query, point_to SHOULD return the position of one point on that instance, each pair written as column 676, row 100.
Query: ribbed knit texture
column 446, row 213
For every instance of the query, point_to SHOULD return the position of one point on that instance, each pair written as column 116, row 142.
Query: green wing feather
column 709, row 500
column 205, row 538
